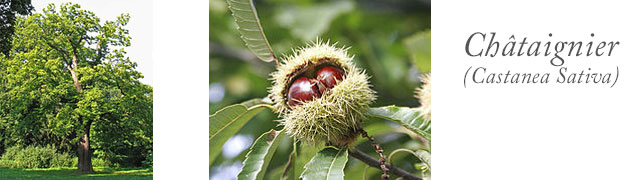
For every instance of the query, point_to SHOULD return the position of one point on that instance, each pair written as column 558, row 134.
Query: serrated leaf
column 226, row 122
column 410, row 118
column 419, row 46
column 305, row 154
column 260, row 154
column 246, row 16
column 327, row 164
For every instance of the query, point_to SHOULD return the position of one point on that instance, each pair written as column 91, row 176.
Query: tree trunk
column 84, row 148
column 84, row 153
column 74, row 76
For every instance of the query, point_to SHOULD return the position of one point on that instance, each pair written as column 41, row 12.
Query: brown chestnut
column 329, row 76
column 302, row 89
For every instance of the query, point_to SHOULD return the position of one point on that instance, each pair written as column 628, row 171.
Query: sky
column 140, row 26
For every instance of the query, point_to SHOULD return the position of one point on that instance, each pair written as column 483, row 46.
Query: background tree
column 68, row 79
column 9, row 9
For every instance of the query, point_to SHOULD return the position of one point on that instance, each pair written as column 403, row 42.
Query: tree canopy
column 9, row 9
column 66, row 79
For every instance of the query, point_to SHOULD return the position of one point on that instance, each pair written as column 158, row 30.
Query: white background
column 535, row 131
column 181, row 90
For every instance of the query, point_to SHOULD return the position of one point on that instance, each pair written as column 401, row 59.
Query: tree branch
column 64, row 53
column 75, row 46
column 100, row 53
column 374, row 163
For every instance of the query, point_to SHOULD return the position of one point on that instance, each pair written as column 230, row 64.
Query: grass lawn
column 70, row 173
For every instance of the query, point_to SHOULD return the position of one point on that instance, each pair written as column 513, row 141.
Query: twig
column 374, row 163
column 379, row 150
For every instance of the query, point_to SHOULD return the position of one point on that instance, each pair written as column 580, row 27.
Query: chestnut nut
column 304, row 89
column 329, row 76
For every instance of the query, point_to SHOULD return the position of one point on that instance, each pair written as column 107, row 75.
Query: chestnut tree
column 67, row 78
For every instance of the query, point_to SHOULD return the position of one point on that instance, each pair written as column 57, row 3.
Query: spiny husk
column 423, row 93
column 335, row 117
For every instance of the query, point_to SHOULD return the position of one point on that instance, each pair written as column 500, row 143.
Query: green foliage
column 410, row 118
column 249, row 26
column 419, row 45
column 34, row 157
column 99, row 162
column 330, row 162
column 305, row 153
column 297, row 18
column 148, row 161
column 6, row 160
column 327, row 164
column 425, row 164
column 227, row 122
column 9, row 10
column 67, row 73
column 259, row 156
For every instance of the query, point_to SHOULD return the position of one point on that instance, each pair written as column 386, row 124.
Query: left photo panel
column 76, row 89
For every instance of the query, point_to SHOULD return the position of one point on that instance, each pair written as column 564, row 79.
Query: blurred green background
column 389, row 38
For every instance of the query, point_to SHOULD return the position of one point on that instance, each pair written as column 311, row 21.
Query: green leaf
column 424, row 156
column 305, row 153
column 327, row 164
column 259, row 156
column 275, row 173
column 227, row 122
column 425, row 166
column 309, row 22
column 419, row 45
column 246, row 16
column 410, row 118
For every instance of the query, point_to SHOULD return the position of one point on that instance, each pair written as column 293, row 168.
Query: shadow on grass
column 71, row 173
